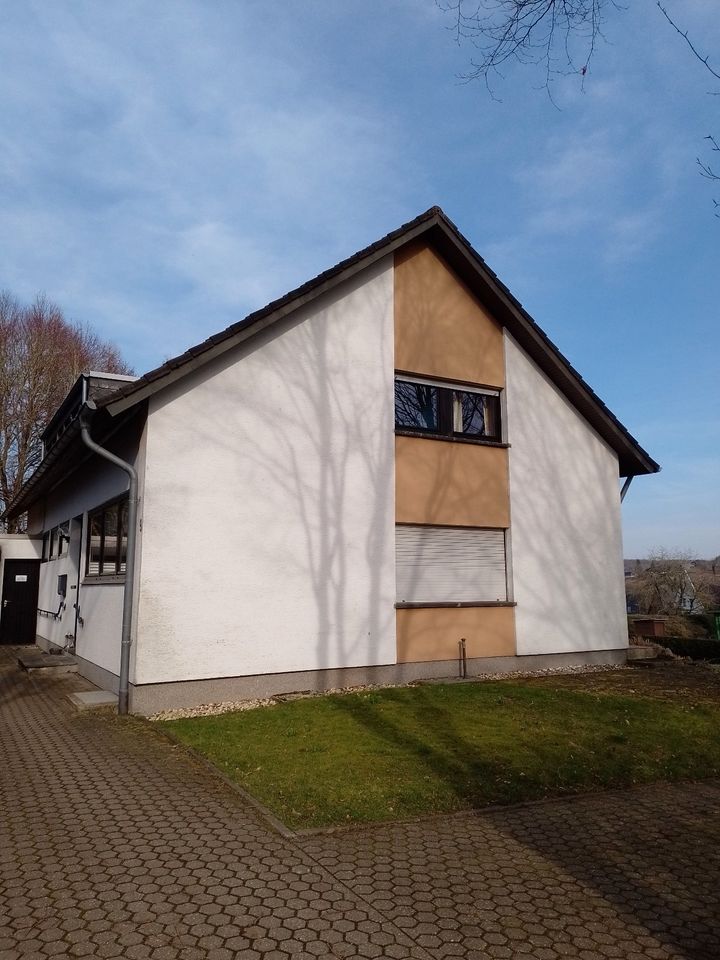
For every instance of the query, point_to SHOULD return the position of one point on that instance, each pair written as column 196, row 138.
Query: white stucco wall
column 268, row 516
column 565, row 520
column 95, row 482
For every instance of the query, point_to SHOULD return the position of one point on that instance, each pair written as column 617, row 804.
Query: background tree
column 674, row 584
column 41, row 356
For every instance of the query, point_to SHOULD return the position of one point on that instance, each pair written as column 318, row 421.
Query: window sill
column 467, row 603
column 108, row 578
column 477, row 441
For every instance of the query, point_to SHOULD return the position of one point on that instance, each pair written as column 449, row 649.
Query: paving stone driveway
column 115, row 844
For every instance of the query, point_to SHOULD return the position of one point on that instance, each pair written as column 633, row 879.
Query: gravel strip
column 230, row 706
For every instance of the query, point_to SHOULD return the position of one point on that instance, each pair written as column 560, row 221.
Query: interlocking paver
column 626, row 874
column 113, row 843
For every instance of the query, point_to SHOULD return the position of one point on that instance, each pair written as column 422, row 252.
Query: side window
column 94, row 544
column 107, row 540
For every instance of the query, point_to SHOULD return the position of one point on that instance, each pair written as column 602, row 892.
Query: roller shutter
column 449, row 565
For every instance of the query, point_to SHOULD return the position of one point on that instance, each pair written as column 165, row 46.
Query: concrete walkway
column 115, row 844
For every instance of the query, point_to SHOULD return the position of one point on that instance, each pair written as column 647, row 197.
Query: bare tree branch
column 705, row 169
column 558, row 35
column 684, row 34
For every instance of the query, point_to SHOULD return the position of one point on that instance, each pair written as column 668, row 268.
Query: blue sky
column 165, row 168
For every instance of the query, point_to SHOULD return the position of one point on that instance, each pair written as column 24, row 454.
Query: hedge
column 697, row 648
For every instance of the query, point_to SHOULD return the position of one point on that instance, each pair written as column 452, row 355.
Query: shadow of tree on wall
column 322, row 451
column 557, row 566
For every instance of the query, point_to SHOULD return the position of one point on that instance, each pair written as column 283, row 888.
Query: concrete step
column 93, row 699
column 645, row 652
column 47, row 664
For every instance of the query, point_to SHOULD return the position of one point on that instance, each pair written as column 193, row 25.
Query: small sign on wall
column 20, row 578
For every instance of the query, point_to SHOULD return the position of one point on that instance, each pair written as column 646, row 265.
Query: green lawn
column 389, row 754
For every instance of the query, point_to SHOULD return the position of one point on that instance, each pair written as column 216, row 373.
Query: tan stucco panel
column 441, row 330
column 433, row 633
column 459, row 484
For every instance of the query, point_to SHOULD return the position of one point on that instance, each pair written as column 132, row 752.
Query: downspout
column 86, row 412
column 625, row 488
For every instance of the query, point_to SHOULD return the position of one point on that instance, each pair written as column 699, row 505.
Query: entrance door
column 18, row 614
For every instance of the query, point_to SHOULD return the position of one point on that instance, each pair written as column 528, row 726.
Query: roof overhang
column 64, row 459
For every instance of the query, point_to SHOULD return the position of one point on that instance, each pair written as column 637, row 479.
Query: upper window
column 447, row 411
column 107, row 540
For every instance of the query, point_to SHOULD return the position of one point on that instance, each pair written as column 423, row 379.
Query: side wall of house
column 268, row 516
column 565, row 520
column 100, row 604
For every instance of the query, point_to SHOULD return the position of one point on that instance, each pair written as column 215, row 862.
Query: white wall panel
column 268, row 517
column 565, row 520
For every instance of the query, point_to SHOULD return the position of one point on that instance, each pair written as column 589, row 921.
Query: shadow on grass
column 657, row 865
column 455, row 760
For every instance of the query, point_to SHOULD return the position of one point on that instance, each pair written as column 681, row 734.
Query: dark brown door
column 18, row 612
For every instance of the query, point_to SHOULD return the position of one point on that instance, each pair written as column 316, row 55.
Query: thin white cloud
column 180, row 160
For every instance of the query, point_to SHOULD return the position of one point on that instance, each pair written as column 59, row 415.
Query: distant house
column 672, row 584
column 341, row 488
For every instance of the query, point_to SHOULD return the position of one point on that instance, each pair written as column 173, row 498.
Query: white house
column 386, row 467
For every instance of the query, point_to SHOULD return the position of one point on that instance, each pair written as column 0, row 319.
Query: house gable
column 439, row 233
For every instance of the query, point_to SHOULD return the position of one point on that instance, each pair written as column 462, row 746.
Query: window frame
column 117, row 575
column 446, row 390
